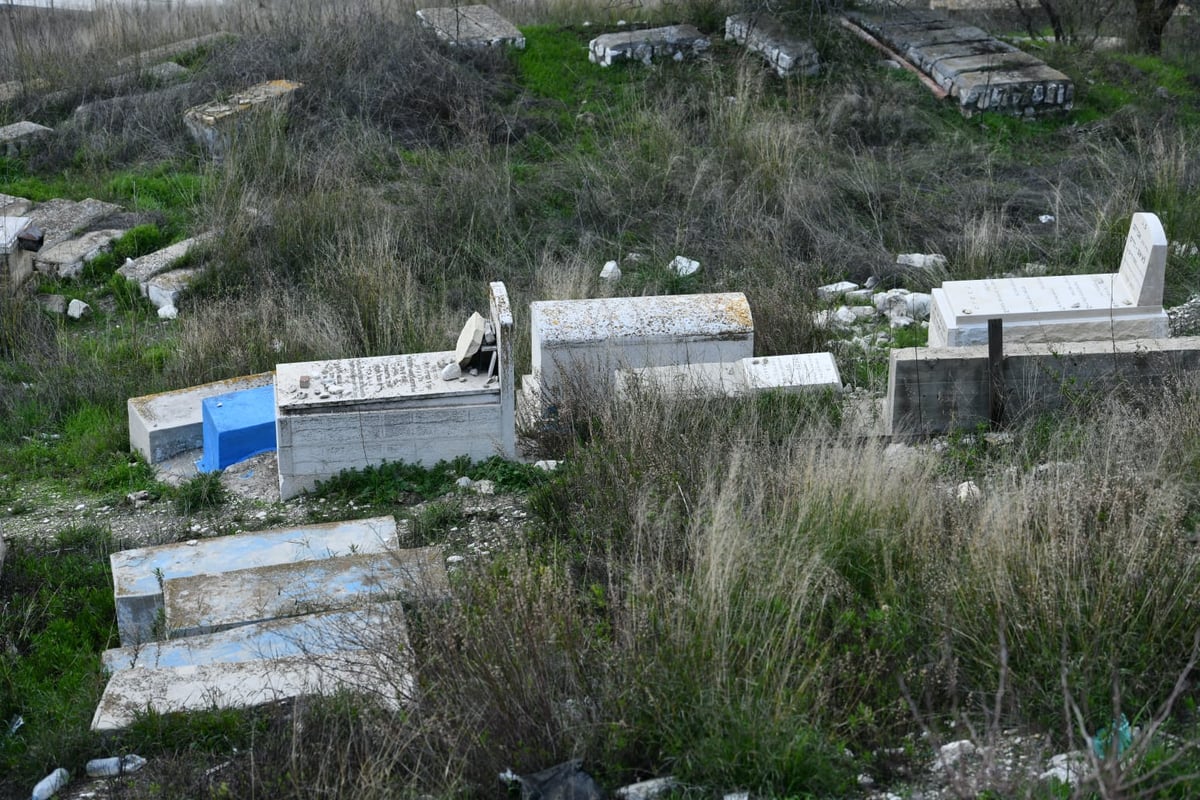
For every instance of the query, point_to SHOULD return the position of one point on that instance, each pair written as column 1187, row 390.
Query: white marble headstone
column 1144, row 263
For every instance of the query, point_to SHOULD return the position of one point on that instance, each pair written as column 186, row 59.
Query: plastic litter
column 48, row 786
column 112, row 767
column 566, row 781
column 1102, row 744
column 15, row 725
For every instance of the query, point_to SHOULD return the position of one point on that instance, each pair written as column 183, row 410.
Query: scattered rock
column 967, row 492
column 610, row 272
column 684, row 266
column 922, row 260
column 470, row 340
column 464, row 482
column 484, row 487
column 1069, row 768
column 832, row 291
column 647, row 790
column 78, row 309
column 950, row 754
column 451, row 372
column 168, row 312
column 549, row 465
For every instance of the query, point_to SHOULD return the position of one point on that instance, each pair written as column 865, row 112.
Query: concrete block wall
column 934, row 390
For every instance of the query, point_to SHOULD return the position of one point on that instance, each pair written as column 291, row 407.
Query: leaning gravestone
column 673, row 41
column 1064, row 308
column 214, row 124
column 471, row 26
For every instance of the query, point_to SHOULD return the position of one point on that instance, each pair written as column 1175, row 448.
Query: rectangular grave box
column 237, row 426
column 354, row 413
column 140, row 574
column 788, row 54
column 16, row 264
column 1065, row 308
column 578, row 344
column 200, row 604
column 672, row 41
column 166, row 424
column 214, row 125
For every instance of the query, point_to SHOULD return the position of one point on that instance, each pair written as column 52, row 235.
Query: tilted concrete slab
column 171, row 50
column 788, row 373
column 169, row 423
column 926, row 57
column 214, row 124
column 471, row 26
column 936, row 389
column 67, row 259
column 322, row 633
column 204, row 603
column 61, row 220
column 140, row 575
column 787, row 53
column 141, row 270
column 166, row 288
column 672, row 41
column 15, row 138
column 383, row 676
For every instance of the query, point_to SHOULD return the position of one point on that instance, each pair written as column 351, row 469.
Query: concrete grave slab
column 61, row 219
column 926, row 57
column 578, row 344
column 1018, row 91
column 320, row 633
column 1071, row 308
column 67, row 259
column 140, row 575
column 947, row 70
column 198, row 687
column 214, row 125
column 19, row 136
column 171, row 50
column 237, row 426
column 169, row 423
column 205, row 603
column 141, row 270
column 787, row 53
column 471, row 26
column 16, row 264
column 792, row 373
column 788, row 373
column 13, row 206
column 672, row 41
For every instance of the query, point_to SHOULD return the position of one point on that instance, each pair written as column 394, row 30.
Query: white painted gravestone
column 359, row 412
column 1064, row 308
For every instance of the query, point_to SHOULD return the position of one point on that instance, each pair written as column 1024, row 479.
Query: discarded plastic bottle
column 112, row 767
column 48, row 786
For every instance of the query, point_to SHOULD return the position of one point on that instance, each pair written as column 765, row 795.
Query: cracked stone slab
column 166, row 288
column 60, row 219
column 141, row 270
column 67, row 259
column 472, row 26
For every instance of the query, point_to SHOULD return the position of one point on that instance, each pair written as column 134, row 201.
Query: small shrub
column 205, row 491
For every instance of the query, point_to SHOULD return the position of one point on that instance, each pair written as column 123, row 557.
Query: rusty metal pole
column 995, row 372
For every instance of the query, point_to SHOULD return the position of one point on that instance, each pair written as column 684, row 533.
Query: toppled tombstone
column 215, row 124
column 141, row 270
column 471, row 26
column 67, row 259
column 673, row 41
column 18, row 137
column 786, row 53
column 59, row 219
column 566, row 781
column 470, row 340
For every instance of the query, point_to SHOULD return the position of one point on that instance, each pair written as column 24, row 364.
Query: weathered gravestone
column 789, row 373
column 787, row 53
column 1065, row 308
column 471, row 26
column 359, row 412
column 578, row 344
column 214, row 125
column 18, row 137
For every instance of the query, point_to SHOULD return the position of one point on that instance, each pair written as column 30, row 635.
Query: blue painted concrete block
column 237, row 426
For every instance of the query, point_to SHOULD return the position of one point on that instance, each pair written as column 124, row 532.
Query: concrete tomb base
column 214, row 125
column 791, row 373
column 60, row 219
column 237, row 426
column 67, row 259
column 140, row 575
column 16, row 263
column 673, row 41
column 169, row 423
column 471, row 26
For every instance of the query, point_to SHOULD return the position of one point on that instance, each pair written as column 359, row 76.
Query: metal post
column 995, row 372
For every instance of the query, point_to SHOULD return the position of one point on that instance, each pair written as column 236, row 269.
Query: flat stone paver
column 61, row 220
column 67, row 259
column 472, row 26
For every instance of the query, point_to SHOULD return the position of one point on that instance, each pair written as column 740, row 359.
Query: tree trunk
column 1152, row 19
column 1060, row 33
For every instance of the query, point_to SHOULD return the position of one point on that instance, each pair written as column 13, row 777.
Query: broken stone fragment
column 451, row 372
column 610, row 272
column 832, row 291
column 684, row 266
column 470, row 340
column 78, row 309
column 168, row 312
column 922, row 260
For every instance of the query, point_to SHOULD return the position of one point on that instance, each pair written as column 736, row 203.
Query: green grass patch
column 396, row 483
column 201, row 493
column 59, row 617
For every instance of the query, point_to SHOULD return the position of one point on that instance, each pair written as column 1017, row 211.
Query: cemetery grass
column 744, row 595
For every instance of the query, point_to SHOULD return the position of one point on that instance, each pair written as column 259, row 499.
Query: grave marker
column 471, row 26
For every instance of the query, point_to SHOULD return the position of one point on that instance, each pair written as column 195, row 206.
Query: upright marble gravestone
column 1063, row 308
